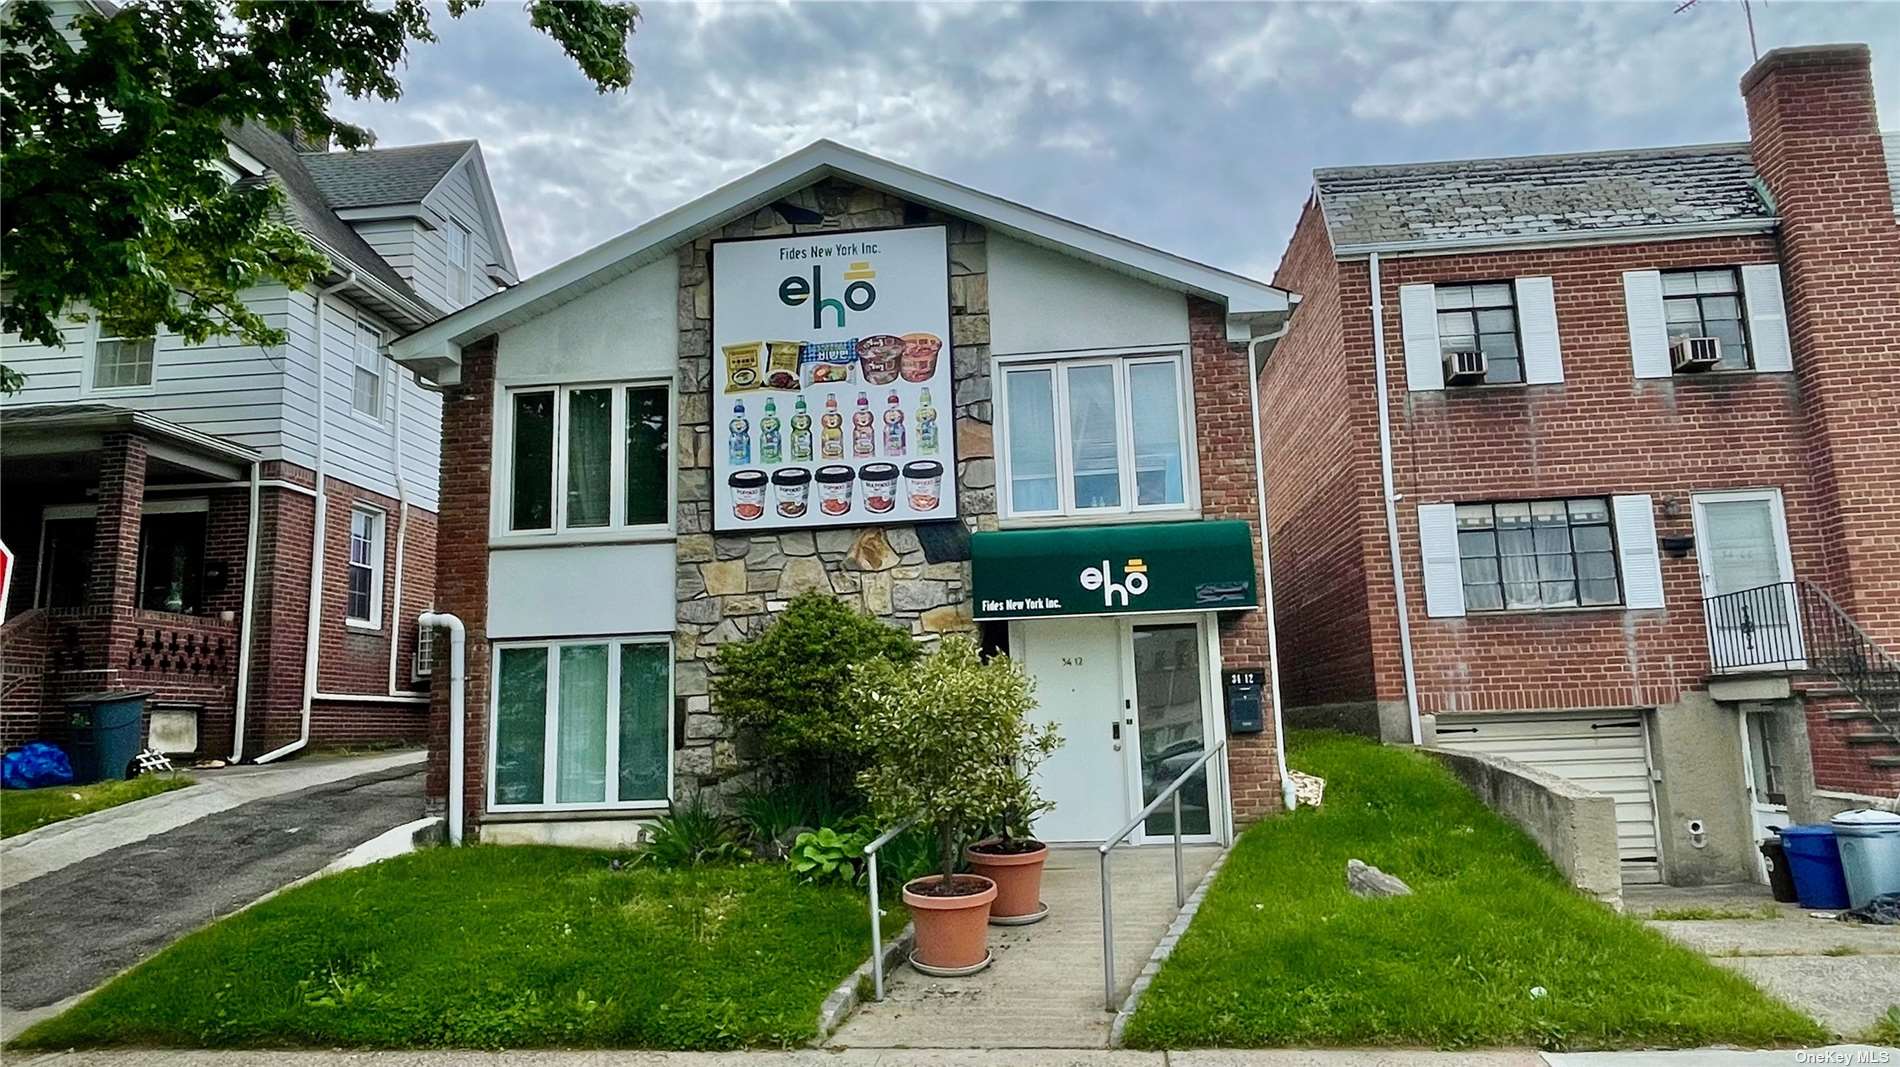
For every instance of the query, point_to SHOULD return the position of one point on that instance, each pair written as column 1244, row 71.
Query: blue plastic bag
column 35, row 765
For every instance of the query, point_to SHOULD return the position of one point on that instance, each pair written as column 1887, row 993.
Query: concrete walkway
column 45, row 850
column 1045, row 988
column 1845, row 975
column 68, row 930
column 1836, row 1054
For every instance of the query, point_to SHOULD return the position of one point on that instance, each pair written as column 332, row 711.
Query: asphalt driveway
column 67, row 931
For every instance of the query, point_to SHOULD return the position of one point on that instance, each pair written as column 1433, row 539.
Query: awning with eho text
column 1113, row 570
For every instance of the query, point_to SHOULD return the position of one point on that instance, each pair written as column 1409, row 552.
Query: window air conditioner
column 424, row 662
column 1464, row 368
column 1695, row 353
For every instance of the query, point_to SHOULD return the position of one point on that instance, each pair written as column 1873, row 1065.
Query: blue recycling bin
column 1814, row 858
column 106, row 730
column 1870, row 853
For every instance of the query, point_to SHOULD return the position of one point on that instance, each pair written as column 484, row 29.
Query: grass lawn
column 1281, row 954
column 495, row 947
column 26, row 809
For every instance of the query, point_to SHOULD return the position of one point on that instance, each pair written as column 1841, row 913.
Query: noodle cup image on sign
column 798, row 320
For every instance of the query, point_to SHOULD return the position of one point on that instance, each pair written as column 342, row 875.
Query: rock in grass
column 1368, row 881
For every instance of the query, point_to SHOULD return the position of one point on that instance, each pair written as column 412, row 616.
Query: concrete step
column 1872, row 739
column 1885, row 761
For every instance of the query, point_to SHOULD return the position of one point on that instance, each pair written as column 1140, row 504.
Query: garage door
column 1599, row 752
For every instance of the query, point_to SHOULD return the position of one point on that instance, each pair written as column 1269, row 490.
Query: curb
column 849, row 994
column 1164, row 949
column 396, row 841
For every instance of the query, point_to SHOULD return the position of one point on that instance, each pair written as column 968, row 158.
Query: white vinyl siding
column 456, row 197
column 1444, row 577
column 1537, row 331
column 1638, row 557
column 1604, row 753
column 1418, row 319
column 1648, row 326
column 1767, row 317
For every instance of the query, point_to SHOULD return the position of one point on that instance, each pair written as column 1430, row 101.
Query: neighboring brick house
column 1616, row 541
column 163, row 498
column 1041, row 435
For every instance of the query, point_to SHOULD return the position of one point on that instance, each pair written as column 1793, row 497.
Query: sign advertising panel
column 831, row 380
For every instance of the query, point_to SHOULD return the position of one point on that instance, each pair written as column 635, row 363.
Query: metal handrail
column 877, row 919
column 1173, row 791
column 1796, row 626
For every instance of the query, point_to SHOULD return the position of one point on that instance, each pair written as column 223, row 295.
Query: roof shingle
column 373, row 177
column 1538, row 196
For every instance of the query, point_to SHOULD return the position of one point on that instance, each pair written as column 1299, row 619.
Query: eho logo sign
column 859, row 293
column 1134, row 582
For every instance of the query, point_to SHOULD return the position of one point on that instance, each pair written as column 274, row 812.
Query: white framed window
column 455, row 237
column 365, row 608
column 1095, row 435
column 366, row 390
column 592, row 458
column 123, row 364
column 582, row 724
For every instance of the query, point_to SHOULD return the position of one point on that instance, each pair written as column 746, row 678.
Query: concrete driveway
column 97, row 912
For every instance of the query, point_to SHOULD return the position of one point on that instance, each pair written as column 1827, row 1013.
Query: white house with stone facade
column 951, row 411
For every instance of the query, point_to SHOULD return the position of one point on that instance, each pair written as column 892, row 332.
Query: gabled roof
column 312, row 215
column 1478, row 201
column 436, row 348
column 373, row 177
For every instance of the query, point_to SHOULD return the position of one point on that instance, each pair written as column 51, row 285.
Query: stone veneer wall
column 730, row 585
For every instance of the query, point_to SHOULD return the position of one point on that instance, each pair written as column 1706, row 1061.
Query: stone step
column 1872, row 739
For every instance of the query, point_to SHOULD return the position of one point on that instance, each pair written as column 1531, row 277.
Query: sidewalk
column 61, row 844
column 1836, row 1054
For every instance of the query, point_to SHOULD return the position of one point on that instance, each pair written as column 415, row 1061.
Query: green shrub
column 829, row 855
column 769, row 813
column 694, row 835
column 946, row 735
column 791, row 683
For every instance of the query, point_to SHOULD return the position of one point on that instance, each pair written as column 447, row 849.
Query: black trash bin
column 1780, row 878
column 106, row 733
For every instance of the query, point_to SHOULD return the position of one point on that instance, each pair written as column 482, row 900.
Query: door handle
column 1115, row 731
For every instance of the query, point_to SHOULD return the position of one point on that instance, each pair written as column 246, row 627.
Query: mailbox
column 1244, row 701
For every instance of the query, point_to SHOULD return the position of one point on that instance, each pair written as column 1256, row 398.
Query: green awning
column 1113, row 570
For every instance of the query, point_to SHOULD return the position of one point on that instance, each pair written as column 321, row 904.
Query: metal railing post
column 1180, row 879
column 877, row 931
column 1108, row 938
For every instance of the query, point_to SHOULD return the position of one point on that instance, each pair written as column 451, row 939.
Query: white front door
column 1742, row 544
column 1763, row 755
column 1078, row 671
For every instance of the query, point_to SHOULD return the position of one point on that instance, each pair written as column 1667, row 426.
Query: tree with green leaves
column 109, row 144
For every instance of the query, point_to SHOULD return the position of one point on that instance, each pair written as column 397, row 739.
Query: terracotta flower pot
column 952, row 932
column 1018, row 878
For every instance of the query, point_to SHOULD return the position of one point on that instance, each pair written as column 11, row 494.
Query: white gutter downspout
column 314, row 618
column 458, row 652
column 402, row 535
column 247, row 622
column 1288, row 798
column 1391, row 500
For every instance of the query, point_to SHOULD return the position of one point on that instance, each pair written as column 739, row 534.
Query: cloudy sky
column 1191, row 127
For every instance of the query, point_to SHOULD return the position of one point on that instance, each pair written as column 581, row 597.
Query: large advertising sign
column 831, row 380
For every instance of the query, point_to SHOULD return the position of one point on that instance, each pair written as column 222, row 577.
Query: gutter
column 1618, row 235
column 1288, row 797
column 1391, row 498
column 249, row 610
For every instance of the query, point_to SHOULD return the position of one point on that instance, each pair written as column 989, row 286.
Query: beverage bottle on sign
column 831, row 437
column 926, row 425
column 893, row 428
column 771, row 442
column 863, row 429
column 801, row 433
column 739, row 445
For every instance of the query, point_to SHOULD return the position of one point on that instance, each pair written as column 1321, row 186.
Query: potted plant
column 1011, row 857
column 943, row 735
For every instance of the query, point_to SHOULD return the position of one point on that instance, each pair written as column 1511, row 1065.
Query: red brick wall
column 1816, row 143
column 1223, row 419
column 1318, row 472
column 468, row 424
column 1840, row 763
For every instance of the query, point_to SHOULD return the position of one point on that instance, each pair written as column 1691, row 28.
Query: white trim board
column 435, row 349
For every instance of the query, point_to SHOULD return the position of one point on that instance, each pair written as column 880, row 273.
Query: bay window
column 1094, row 436
column 588, row 458
column 582, row 724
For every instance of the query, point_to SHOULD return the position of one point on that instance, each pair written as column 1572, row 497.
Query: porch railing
column 1171, row 793
column 877, row 920
column 1796, row 626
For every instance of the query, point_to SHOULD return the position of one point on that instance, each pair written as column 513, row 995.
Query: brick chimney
column 1815, row 138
